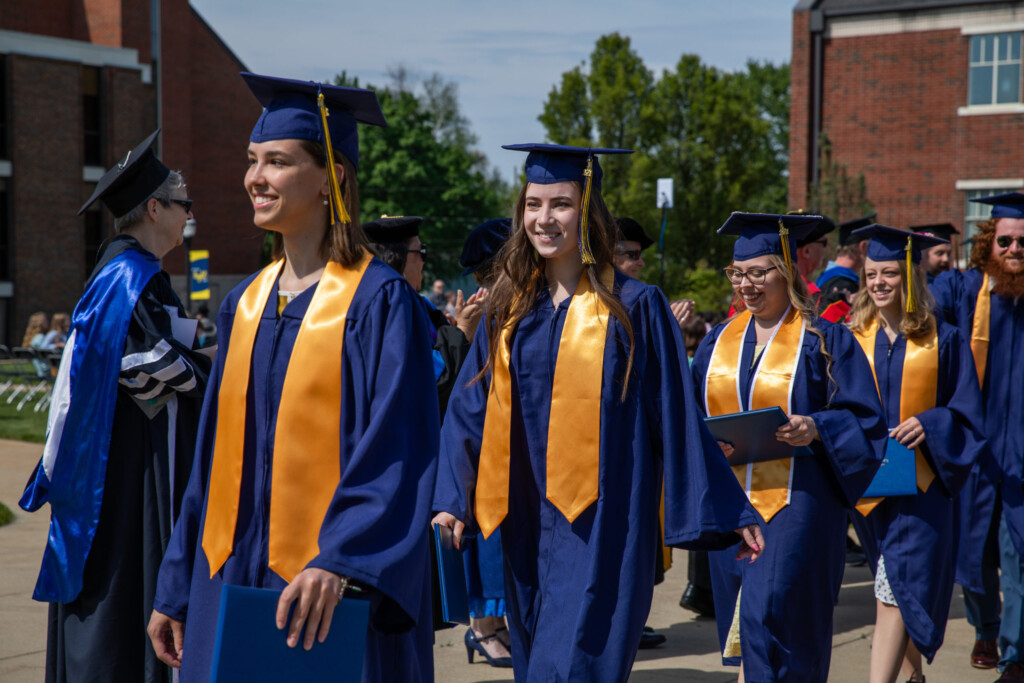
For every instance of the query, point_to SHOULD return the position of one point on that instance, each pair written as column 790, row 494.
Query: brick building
column 81, row 83
column 921, row 96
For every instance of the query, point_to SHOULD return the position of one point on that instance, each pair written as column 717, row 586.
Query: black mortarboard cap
column 393, row 228
column 941, row 230
column 1009, row 205
column 823, row 228
column 131, row 181
column 483, row 243
column 291, row 112
column 846, row 230
column 633, row 232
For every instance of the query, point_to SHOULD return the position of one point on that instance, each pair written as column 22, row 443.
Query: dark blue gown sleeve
column 704, row 503
column 953, row 437
column 852, row 428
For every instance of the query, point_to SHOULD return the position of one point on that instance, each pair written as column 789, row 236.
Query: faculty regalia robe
column 917, row 534
column 120, row 440
column 374, row 530
column 578, row 593
column 789, row 592
column 996, row 480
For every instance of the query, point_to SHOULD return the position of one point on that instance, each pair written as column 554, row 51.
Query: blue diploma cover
column 898, row 474
column 752, row 435
column 452, row 575
column 250, row 648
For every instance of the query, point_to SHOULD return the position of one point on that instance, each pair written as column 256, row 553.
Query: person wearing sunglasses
column 929, row 391
column 123, row 423
column 986, row 302
column 776, row 353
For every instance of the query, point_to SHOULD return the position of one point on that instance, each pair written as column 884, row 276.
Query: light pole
column 187, row 234
column 664, row 202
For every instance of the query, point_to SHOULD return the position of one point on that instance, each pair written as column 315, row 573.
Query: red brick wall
column 890, row 111
column 59, row 18
column 800, row 109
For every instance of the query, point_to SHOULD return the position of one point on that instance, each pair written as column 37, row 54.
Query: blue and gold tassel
column 784, row 238
column 338, row 212
column 911, row 300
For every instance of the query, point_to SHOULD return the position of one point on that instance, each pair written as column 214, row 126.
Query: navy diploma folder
column 752, row 435
column 250, row 648
column 452, row 575
column 898, row 474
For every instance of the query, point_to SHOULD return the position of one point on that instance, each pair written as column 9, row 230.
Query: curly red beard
column 1009, row 283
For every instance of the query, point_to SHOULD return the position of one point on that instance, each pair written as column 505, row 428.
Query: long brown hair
column 912, row 325
column 520, row 274
column 343, row 243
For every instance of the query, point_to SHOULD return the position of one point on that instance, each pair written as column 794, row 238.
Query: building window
column 91, row 127
column 995, row 69
column 3, row 107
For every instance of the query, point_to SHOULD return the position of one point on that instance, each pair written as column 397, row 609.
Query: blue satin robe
column 790, row 591
column 917, row 534
column 999, row 470
column 578, row 594
column 374, row 528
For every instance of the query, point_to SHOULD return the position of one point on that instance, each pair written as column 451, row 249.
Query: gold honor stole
column 980, row 328
column 574, row 423
column 306, row 465
column 767, row 483
column 918, row 393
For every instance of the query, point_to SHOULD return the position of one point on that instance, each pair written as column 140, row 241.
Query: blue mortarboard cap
column 758, row 234
column 290, row 112
column 483, row 243
column 547, row 164
column 633, row 232
column 393, row 228
column 131, row 181
column 890, row 244
column 1009, row 205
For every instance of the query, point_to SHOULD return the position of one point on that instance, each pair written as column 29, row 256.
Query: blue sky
column 505, row 57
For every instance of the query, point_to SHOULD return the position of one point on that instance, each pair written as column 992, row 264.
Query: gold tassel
column 585, row 254
column 338, row 212
column 784, row 238
column 911, row 302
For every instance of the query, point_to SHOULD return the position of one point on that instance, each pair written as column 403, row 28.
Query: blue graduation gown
column 578, row 594
column 790, row 591
column 917, row 534
column 374, row 528
column 997, row 476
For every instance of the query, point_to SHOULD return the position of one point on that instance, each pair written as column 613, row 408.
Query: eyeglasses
column 422, row 251
column 755, row 275
column 1004, row 241
column 183, row 203
column 633, row 254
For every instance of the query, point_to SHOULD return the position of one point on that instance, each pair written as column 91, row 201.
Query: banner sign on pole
column 199, row 269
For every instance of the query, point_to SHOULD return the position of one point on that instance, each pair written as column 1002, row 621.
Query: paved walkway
column 691, row 653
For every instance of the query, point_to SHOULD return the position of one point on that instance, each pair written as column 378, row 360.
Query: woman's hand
column 683, row 311
column 168, row 638
column 315, row 592
column 753, row 542
column 449, row 520
column 468, row 311
column 799, row 431
column 727, row 449
column 910, row 433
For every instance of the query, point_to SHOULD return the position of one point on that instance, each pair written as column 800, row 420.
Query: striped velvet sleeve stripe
column 157, row 372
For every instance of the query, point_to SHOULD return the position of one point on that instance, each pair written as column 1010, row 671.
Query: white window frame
column 995, row 65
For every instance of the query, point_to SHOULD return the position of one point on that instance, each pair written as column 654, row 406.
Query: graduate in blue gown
column 929, row 391
column 986, row 303
column 572, row 408
column 785, row 613
column 318, row 442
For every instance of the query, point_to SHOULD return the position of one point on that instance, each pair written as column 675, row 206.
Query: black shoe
column 855, row 556
column 650, row 638
column 698, row 600
column 474, row 644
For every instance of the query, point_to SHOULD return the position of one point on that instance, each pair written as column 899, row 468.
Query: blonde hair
column 916, row 324
column 37, row 324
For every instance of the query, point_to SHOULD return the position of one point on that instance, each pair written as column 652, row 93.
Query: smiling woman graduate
column 776, row 353
column 299, row 467
column 570, row 414
column 929, row 391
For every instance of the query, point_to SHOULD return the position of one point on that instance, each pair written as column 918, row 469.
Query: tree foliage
column 722, row 136
column 836, row 194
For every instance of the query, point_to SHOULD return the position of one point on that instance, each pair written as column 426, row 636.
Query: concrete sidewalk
column 691, row 653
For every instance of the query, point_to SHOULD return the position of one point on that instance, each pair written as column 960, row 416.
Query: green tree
column 836, row 194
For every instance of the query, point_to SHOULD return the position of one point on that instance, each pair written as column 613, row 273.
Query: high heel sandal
column 506, row 641
column 476, row 644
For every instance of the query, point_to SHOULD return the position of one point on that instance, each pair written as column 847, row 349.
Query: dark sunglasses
column 1004, row 241
column 183, row 203
column 633, row 254
column 422, row 251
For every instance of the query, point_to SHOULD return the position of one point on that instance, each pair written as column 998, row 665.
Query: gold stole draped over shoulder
column 574, row 423
column 306, row 462
column 918, row 392
column 767, row 483
column 980, row 328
